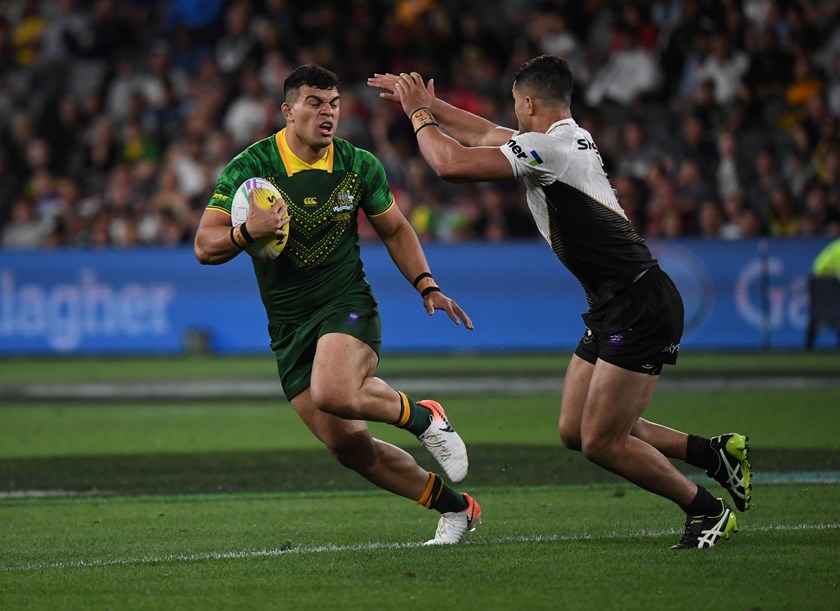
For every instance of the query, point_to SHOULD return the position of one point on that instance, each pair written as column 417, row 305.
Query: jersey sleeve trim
column 219, row 208
column 390, row 205
column 509, row 156
column 505, row 148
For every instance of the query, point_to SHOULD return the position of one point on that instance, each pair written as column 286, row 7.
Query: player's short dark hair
column 547, row 77
column 310, row 75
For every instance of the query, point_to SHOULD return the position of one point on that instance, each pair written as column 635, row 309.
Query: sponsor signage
column 741, row 295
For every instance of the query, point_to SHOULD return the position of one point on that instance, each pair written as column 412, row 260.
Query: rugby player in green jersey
column 323, row 320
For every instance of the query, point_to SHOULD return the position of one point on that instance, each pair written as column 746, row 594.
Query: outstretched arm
column 448, row 158
column 402, row 243
column 465, row 127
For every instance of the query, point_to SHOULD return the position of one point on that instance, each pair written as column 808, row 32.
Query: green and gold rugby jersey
column 321, row 260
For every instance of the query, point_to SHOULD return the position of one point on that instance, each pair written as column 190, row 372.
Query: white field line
column 333, row 549
column 50, row 494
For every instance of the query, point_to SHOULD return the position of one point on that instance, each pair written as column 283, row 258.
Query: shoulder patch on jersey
column 537, row 159
column 521, row 154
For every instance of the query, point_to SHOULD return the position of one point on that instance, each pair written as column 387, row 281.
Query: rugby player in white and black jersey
column 635, row 318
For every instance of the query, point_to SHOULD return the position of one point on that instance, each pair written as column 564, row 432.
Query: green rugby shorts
column 294, row 343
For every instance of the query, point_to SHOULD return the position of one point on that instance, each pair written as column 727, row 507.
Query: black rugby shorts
column 639, row 329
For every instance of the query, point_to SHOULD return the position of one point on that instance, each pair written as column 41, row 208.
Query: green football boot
column 733, row 471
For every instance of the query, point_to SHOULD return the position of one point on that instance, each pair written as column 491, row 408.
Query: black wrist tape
column 420, row 277
column 232, row 239
column 244, row 231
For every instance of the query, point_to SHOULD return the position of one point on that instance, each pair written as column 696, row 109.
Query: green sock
column 441, row 497
column 413, row 417
column 449, row 500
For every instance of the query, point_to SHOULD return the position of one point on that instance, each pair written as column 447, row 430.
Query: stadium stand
column 715, row 118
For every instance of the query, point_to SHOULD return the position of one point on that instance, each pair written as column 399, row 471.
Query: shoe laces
column 433, row 440
column 688, row 534
column 445, row 524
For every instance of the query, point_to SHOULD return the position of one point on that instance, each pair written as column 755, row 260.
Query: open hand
column 413, row 93
column 438, row 301
column 386, row 82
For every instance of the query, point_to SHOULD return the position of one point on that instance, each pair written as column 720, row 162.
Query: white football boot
column 453, row 525
column 441, row 440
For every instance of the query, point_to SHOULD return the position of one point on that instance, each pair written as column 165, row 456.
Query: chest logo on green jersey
column 344, row 202
column 323, row 224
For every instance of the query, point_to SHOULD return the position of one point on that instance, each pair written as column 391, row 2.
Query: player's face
column 313, row 116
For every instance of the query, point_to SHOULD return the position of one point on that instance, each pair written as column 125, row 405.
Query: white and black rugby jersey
column 576, row 209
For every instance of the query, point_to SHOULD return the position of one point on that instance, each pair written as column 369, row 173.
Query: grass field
column 233, row 505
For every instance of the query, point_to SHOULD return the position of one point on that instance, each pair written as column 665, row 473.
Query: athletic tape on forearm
column 422, row 117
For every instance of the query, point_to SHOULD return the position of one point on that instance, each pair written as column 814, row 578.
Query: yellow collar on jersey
column 295, row 164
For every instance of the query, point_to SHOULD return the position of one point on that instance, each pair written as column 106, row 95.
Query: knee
column 333, row 400
column 356, row 452
column 570, row 437
column 598, row 450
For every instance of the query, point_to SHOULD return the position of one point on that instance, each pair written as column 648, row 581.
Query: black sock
column 699, row 453
column 704, row 504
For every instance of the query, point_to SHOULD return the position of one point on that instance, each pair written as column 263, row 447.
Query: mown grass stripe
column 331, row 548
column 457, row 385
column 785, row 477
column 764, row 477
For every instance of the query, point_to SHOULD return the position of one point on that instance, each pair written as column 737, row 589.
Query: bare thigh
column 615, row 401
column 342, row 382
column 334, row 432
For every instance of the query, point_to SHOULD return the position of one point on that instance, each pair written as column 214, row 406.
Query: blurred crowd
column 714, row 118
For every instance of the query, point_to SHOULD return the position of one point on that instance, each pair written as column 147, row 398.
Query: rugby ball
column 270, row 247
